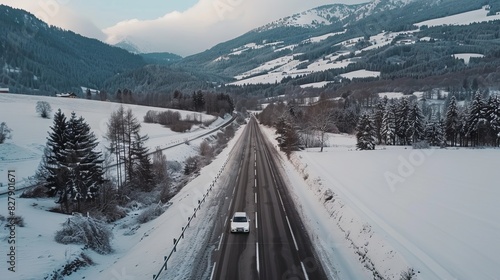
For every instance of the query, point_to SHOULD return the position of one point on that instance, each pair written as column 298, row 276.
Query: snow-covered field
column 433, row 210
column 466, row 18
column 29, row 131
column 467, row 56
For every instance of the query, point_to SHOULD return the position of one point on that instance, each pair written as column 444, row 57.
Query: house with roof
column 67, row 95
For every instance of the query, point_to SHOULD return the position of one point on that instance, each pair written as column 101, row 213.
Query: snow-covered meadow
column 435, row 210
column 29, row 131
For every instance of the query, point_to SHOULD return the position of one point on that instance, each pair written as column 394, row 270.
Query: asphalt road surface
column 277, row 246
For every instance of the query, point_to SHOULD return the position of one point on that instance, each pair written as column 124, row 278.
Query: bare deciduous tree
column 321, row 120
column 43, row 108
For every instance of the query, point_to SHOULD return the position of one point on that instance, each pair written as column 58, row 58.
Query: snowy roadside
column 338, row 256
column 140, row 254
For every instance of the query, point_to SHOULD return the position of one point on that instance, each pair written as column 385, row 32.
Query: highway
column 277, row 246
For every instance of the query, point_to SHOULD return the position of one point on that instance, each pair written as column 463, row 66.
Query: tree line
column 389, row 122
column 400, row 122
column 211, row 103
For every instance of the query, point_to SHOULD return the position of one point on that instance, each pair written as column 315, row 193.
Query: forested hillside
column 41, row 59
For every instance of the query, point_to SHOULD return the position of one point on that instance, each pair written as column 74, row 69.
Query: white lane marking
column 304, row 270
column 255, row 198
column 293, row 236
column 220, row 241
column 255, row 183
column 225, row 222
column 256, row 220
column 281, row 200
column 230, row 203
column 213, row 271
column 255, row 172
column 234, row 189
column 257, row 256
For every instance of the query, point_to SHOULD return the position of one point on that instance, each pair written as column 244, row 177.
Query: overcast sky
column 183, row 27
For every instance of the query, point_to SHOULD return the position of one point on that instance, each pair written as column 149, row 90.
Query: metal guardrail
column 189, row 219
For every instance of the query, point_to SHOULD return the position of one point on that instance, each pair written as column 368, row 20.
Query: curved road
column 277, row 246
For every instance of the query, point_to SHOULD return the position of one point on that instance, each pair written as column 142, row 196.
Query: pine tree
column 119, row 96
column 198, row 101
column 434, row 134
column 452, row 122
column 5, row 132
column 494, row 119
column 463, row 127
column 416, row 130
column 389, row 125
column 142, row 169
column 82, row 163
column 288, row 138
column 366, row 134
column 378, row 118
column 57, row 175
column 402, row 122
column 476, row 120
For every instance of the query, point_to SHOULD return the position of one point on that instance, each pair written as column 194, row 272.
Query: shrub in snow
column 5, row 132
column 421, row 145
column 166, row 192
column 174, row 166
column 150, row 213
column 206, row 150
column 15, row 220
column 34, row 192
column 87, row 231
column 191, row 165
column 408, row 274
column 73, row 266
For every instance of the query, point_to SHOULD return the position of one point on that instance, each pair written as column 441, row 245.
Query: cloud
column 58, row 14
column 202, row 26
column 205, row 24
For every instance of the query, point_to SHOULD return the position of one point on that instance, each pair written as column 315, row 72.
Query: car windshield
column 239, row 219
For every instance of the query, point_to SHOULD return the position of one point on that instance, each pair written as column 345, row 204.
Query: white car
column 240, row 222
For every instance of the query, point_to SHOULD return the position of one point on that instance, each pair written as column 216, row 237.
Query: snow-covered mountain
column 314, row 18
column 329, row 14
column 334, row 42
column 129, row 45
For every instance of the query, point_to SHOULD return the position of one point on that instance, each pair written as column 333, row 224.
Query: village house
column 67, row 95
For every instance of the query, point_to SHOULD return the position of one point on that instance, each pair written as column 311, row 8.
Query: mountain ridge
column 369, row 36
